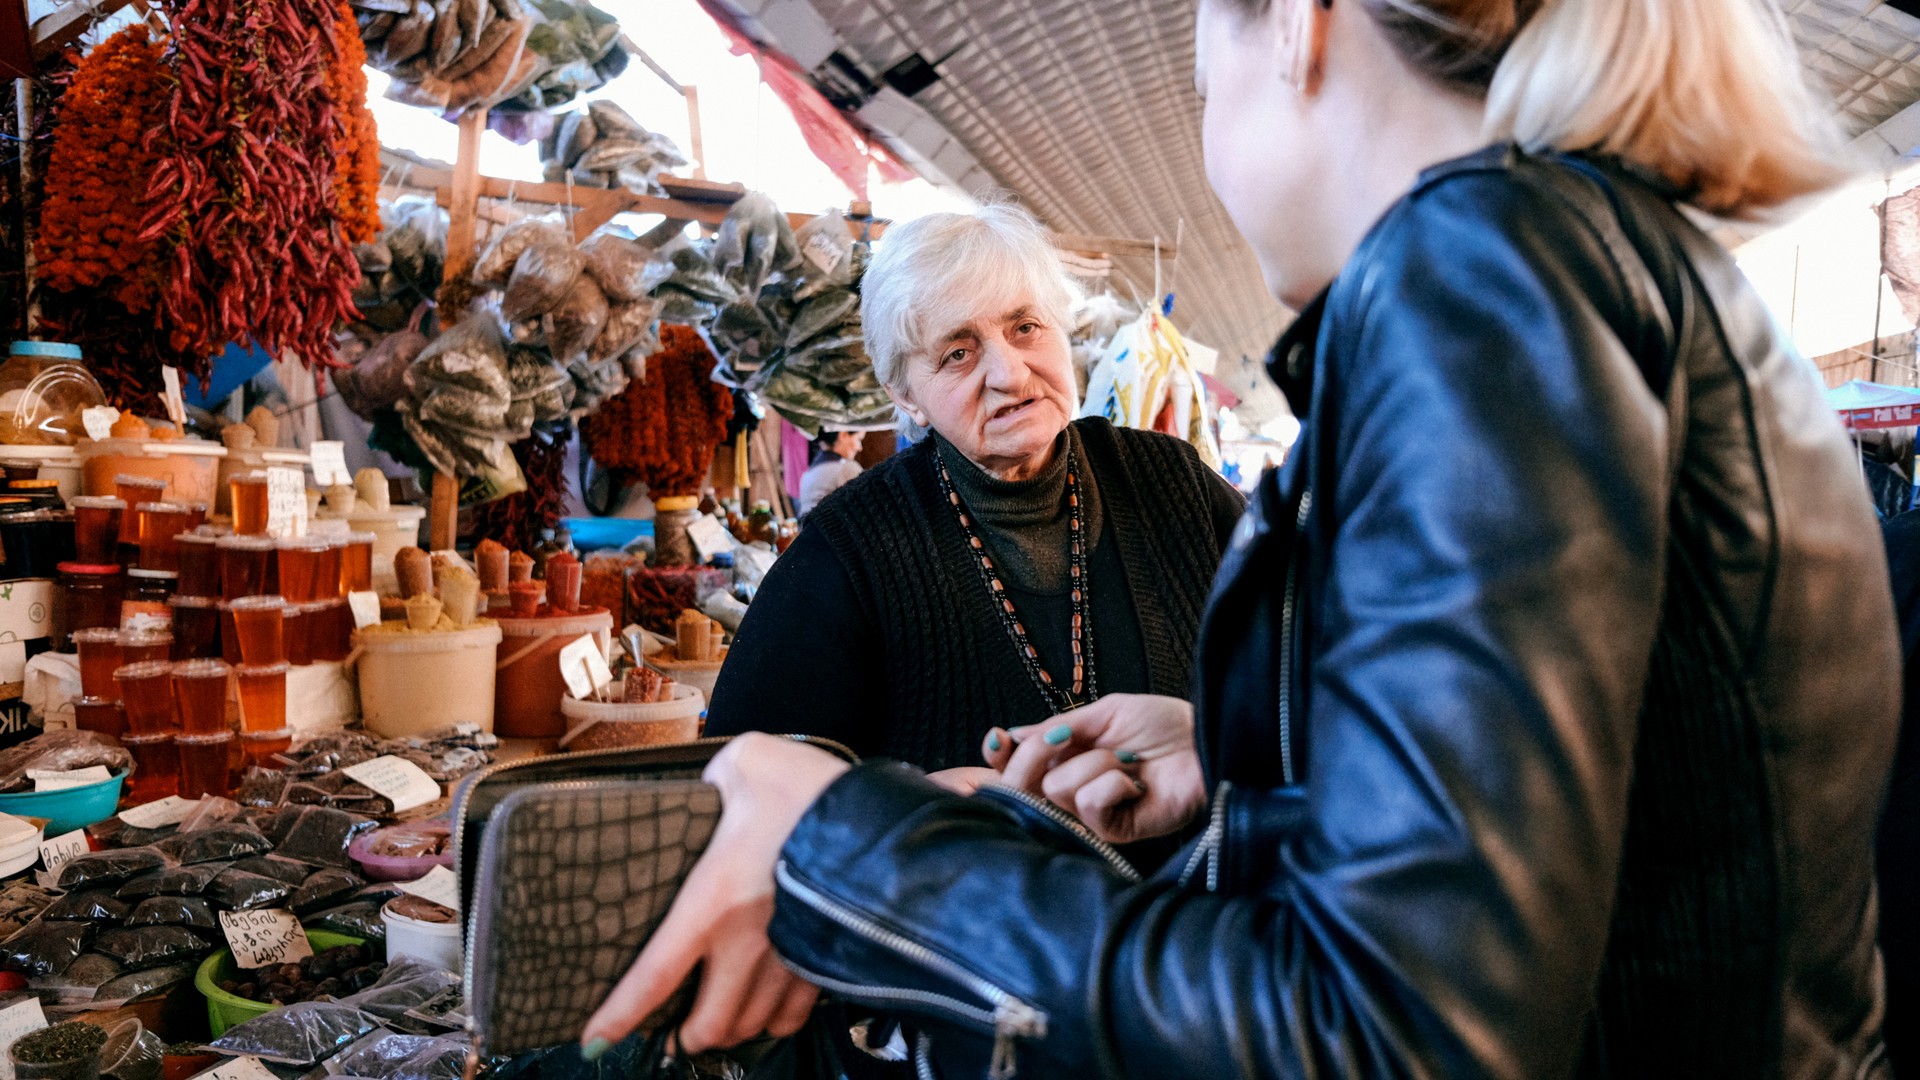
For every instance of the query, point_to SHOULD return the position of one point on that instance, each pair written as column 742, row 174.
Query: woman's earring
column 1307, row 45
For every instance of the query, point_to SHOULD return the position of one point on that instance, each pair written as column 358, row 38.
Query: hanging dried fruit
column 662, row 429
column 356, row 140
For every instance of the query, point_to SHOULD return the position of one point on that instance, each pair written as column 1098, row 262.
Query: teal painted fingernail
column 1127, row 757
column 993, row 742
column 1059, row 734
column 595, row 1049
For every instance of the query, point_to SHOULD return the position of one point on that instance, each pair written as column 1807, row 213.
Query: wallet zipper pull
column 1013, row 1020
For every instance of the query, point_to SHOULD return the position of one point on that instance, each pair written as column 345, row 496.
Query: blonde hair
column 1708, row 94
column 935, row 273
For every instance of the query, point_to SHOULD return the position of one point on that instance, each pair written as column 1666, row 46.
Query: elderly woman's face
column 999, row 388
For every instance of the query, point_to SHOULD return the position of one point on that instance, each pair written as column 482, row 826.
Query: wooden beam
column 1113, row 245
column 64, row 27
column 693, row 189
column 696, row 140
column 464, row 195
column 443, row 522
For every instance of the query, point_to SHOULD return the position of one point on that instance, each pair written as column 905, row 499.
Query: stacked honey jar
column 240, row 610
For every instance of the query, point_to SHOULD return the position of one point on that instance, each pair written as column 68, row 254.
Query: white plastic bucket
column 702, row 675
column 414, row 684
column 430, row 943
column 392, row 530
column 602, row 725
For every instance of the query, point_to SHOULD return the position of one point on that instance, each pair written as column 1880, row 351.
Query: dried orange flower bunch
column 356, row 144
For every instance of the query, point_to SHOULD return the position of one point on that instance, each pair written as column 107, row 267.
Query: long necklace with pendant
column 1085, row 687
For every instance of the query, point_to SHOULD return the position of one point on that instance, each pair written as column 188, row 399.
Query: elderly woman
column 1010, row 565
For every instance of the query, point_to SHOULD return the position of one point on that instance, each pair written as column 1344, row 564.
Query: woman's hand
column 719, row 919
column 966, row 779
column 1125, row 765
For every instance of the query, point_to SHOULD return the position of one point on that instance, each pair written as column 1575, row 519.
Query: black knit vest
column 952, row 673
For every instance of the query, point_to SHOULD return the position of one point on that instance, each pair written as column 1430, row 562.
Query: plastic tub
column 413, row 684
column 224, row 1010
column 263, row 696
column 528, row 685
column 204, row 761
column 246, row 565
column 156, row 766
column 392, row 530
column 402, row 867
column 191, row 467
column 200, row 692
column 699, row 674
column 69, row 808
column 57, row 463
column 132, row 1052
column 252, row 459
column 103, row 715
column 595, row 725
column 433, row 943
column 259, row 747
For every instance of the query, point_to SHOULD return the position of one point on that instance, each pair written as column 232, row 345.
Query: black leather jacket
column 1548, row 694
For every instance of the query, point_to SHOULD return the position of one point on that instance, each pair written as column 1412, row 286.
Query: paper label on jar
column 709, row 537
column 55, row 780
column 98, row 420
column 584, row 666
column 24, row 1018
column 176, row 406
column 286, row 501
column 402, row 782
column 329, row 463
column 366, row 608
column 265, row 936
column 60, row 850
column 160, row 813
column 145, row 615
column 241, row 1068
column 441, row 886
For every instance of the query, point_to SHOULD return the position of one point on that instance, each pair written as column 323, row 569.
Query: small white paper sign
column 709, row 537
column 584, row 666
column 15, row 1021
column 98, row 420
column 400, row 780
column 160, row 813
column 286, row 502
column 176, row 406
column 822, row 252
column 329, row 463
column 441, row 885
column 58, row 851
column 366, row 609
column 54, row 780
column 242, row 1068
column 265, row 936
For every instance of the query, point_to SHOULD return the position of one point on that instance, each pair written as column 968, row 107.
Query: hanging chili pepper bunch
column 243, row 199
column 516, row 520
column 662, row 429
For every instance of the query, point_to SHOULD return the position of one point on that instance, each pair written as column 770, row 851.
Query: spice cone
column 460, row 592
column 423, row 612
column 341, row 499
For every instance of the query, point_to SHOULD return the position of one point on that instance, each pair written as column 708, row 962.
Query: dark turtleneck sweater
column 875, row 629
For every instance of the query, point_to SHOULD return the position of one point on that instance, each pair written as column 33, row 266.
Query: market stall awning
column 1866, row 406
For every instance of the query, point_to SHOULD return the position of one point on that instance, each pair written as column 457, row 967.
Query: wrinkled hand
column 966, row 779
column 719, row 919
column 1125, row 765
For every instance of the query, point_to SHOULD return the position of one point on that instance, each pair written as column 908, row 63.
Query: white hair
column 936, row 273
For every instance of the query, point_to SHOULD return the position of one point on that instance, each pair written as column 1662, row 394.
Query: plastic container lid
column 362, row 538
column 97, row 502
column 155, row 575
column 149, row 740
column 304, row 543
column 255, row 477
column 578, row 622
column 193, row 601
column 163, row 508
column 196, row 538
column 266, row 736
column 314, row 607
column 89, row 569
column 246, row 670
column 204, row 740
column 146, row 669
column 131, row 480
column 61, row 350
column 148, row 638
column 202, row 669
column 246, row 543
column 97, row 635
column 429, row 642
column 257, row 603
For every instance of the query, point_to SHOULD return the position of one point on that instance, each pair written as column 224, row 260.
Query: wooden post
column 697, row 144
column 443, row 518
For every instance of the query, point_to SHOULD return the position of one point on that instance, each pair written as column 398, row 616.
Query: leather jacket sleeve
column 1487, row 548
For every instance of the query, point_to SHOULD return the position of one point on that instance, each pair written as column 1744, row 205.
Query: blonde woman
column 1546, row 698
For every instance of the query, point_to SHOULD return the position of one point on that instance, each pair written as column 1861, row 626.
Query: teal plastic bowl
column 73, row 808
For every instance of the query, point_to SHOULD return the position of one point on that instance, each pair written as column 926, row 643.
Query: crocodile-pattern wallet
column 572, row 878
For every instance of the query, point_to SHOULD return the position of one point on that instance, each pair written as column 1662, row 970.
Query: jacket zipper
column 1011, row 1018
column 1208, row 849
column 1073, row 825
column 1288, row 615
column 923, row 1057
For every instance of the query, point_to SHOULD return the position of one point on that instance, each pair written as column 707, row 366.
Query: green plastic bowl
column 224, row 1010
column 69, row 808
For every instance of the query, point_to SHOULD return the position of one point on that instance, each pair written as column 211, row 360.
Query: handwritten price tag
column 400, row 780
column 330, row 463
column 584, row 666
column 98, row 420
column 245, row 1068
column 160, row 813
column 263, row 937
column 709, row 537
column 53, row 780
column 176, row 405
column 441, row 885
column 366, row 609
column 58, row 851
column 286, row 502
column 15, row 1021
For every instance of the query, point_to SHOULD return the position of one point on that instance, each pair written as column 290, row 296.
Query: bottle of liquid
column 760, row 525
